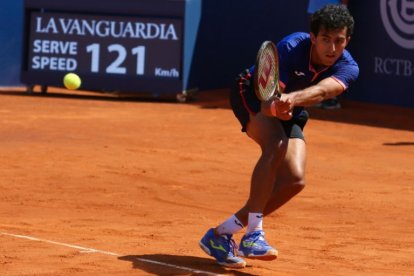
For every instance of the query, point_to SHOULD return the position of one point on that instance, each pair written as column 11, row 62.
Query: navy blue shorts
column 244, row 103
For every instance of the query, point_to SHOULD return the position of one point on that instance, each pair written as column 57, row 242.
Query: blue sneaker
column 254, row 246
column 222, row 248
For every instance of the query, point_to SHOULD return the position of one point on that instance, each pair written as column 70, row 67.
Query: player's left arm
column 325, row 89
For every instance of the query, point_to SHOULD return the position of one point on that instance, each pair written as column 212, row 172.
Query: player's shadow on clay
column 162, row 264
column 399, row 144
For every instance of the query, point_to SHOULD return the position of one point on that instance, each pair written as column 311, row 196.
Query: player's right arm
column 282, row 108
column 325, row 89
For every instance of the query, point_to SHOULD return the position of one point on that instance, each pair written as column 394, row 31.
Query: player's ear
column 347, row 40
column 312, row 37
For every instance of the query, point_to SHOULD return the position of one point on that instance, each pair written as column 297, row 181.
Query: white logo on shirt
column 298, row 73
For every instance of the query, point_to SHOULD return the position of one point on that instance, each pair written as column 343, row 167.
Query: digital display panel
column 139, row 47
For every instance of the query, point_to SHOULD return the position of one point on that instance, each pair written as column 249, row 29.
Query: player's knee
column 297, row 184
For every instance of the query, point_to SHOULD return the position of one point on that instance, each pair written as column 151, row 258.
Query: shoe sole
column 263, row 258
column 269, row 256
column 234, row 265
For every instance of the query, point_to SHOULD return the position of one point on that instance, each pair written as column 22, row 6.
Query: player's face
column 328, row 46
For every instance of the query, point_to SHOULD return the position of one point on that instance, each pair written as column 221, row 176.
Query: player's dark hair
column 332, row 17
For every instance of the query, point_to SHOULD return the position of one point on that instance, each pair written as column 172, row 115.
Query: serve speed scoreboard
column 108, row 50
column 146, row 47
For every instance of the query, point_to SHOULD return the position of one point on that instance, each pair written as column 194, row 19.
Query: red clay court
column 96, row 185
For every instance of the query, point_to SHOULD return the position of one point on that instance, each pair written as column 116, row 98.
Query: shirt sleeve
column 346, row 72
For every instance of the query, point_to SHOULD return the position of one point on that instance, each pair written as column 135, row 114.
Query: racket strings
column 269, row 58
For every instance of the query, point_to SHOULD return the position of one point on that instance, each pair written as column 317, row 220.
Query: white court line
column 92, row 250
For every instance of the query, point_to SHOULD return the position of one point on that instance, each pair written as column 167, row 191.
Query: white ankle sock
column 230, row 226
column 255, row 222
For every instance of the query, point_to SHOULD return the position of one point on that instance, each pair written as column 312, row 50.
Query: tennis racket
column 266, row 74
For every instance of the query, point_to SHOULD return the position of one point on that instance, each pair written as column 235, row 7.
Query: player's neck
column 315, row 63
column 318, row 67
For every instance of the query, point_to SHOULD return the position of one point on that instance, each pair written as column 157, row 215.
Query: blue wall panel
column 11, row 22
column 231, row 32
column 383, row 46
column 224, row 36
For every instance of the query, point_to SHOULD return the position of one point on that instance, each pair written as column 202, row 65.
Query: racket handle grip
column 278, row 94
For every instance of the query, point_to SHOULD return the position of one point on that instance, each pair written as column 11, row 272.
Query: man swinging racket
column 312, row 67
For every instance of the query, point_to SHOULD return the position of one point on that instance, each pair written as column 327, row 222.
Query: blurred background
column 191, row 45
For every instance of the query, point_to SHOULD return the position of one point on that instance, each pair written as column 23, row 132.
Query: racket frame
column 266, row 73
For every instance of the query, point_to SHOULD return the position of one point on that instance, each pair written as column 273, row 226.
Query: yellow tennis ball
column 72, row 81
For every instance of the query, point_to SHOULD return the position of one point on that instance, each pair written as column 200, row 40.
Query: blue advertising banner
column 134, row 46
column 11, row 22
column 218, row 39
column 383, row 45
column 232, row 31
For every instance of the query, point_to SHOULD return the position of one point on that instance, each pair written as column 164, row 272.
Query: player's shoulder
column 347, row 64
column 294, row 47
column 294, row 39
column 347, row 57
column 347, row 61
column 294, row 43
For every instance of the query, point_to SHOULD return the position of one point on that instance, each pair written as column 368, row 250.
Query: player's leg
column 291, row 176
column 289, row 181
column 269, row 134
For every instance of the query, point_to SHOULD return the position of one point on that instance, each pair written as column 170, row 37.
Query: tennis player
column 313, row 67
